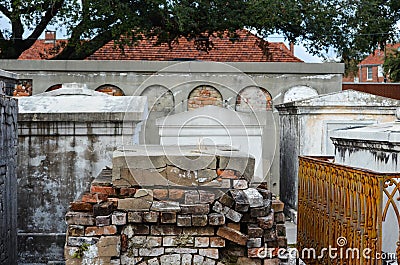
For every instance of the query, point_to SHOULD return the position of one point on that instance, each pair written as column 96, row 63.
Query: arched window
column 253, row 99
column 159, row 98
column 54, row 87
column 110, row 90
column 203, row 96
column 298, row 93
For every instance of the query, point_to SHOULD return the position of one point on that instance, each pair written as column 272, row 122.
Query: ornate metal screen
column 341, row 210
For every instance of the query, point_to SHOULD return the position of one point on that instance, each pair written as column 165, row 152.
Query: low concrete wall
column 133, row 76
column 8, row 180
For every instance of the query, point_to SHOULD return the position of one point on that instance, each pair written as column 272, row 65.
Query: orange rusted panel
column 341, row 208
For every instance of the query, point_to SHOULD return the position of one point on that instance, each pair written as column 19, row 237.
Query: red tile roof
column 378, row 56
column 244, row 49
column 42, row 50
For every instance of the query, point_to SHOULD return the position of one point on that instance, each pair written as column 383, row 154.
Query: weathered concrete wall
column 8, row 180
column 133, row 76
column 64, row 142
column 306, row 127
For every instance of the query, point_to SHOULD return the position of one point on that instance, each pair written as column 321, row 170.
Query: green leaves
column 352, row 28
column 391, row 66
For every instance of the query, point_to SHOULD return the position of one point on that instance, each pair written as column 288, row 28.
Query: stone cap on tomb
column 74, row 102
column 193, row 166
column 388, row 133
column 342, row 101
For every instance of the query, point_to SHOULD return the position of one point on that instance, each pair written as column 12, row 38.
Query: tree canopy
column 351, row 27
column 391, row 65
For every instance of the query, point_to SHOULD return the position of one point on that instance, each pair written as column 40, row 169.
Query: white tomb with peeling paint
column 65, row 138
column 307, row 125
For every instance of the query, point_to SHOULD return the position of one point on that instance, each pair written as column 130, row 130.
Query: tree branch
column 86, row 48
column 51, row 12
column 5, row 11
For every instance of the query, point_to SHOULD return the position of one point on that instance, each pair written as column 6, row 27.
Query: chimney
column 291, row 45
column 50, row 36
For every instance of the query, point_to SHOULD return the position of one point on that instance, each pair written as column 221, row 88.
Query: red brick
column 227, row 174
column 76, row 230
column 256, row 252
column 195, row 209
column 199, row 220
column 168, row 217
column 104, row 208
column 235, row 226
column 277, row 206
column 184, row 220
column 232, row 235
column 254, row 231
column 127, row 191
column 80, row 206
column 94, row 197
column 279, row 218
column 102, row 230
column 165, row 230
column 79, row 218
column 217, row 242
column 199, row 231
column 176, row 194
column 103, row 190
column 114, row 201
column 124, row 242
column 150, row 217
column 216, row 219
column 282, row 241
column 266, row 222
column 161, row 194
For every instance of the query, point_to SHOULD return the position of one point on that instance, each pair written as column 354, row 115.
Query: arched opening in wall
column 110, row 90
column 204, row 95
column 161, row 103
column 53, row 87
column 253, row 99
column 159, row 98
column 298, row 93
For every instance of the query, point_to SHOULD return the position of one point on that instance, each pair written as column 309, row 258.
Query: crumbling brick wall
column 223, row 222
column 253, row 99
column 8, row 180
column 204, row 96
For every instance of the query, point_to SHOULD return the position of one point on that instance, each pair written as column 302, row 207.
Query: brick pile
column 134, row 224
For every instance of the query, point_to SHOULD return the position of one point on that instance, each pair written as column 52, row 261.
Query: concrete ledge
column 7, row 74
column 154, row 66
